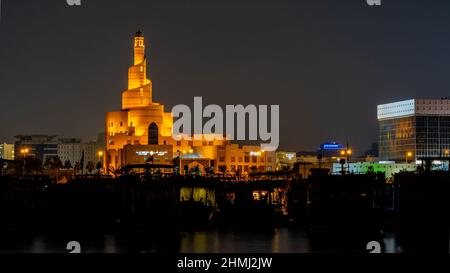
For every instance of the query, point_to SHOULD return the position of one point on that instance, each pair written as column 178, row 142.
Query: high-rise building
column 39, row 146
column 414, row 129
column 142, row 131
column 7, row 151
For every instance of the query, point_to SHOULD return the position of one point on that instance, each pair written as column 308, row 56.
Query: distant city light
column 290, row 156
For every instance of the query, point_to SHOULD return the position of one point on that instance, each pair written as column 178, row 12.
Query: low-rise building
column 389, row 168
column 286, row 160
column 39, row 146
column 244, row 159
column 76, row 152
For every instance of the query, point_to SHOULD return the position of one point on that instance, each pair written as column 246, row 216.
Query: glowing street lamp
column 347, row 153
column 24, row 153
column 100, row 154
column 408, row 155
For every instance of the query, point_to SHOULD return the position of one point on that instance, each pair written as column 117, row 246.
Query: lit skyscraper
column 414, row 129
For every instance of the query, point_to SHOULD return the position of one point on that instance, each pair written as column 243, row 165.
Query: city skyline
column 292, row 55
column 207, row 135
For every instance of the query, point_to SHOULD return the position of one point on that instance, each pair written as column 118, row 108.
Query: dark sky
column 326, row 63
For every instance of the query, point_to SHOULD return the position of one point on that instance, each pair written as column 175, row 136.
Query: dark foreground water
column 276, row 240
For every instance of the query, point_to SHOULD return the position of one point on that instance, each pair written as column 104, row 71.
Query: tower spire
column 139, row 32
column 139, row 47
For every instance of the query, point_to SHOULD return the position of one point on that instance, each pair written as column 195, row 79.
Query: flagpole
column 82, row 163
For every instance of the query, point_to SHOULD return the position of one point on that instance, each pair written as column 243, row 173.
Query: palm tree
column 99, row 167
column 56, row 164
column 90, row 167
column 116, row 171
column 67, row 165
column 78, row 167
column 48, row 162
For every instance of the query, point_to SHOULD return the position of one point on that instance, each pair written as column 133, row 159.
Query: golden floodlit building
column 142, row 130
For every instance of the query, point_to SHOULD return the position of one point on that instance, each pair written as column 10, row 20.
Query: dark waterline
column 276, row 240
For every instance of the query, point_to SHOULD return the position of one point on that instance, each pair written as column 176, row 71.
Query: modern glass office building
column 414, row 129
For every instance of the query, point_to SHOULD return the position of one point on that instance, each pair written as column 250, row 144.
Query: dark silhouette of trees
column 53, row 163
column 57, row 163
column 33, row 165
column 207, row 170
column 116, row 171
column 78, row 167
column 99, row 167
column 90, row 167
column 67, row 165
column 48, row 162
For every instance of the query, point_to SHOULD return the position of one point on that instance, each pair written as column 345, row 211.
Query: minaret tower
column 139, row 93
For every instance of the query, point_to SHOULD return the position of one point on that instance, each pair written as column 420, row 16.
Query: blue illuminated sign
column 331, row 146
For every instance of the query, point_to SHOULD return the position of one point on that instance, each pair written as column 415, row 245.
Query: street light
column 24, row 153
column 100, row 154
column 408, row 155
column 347, row 153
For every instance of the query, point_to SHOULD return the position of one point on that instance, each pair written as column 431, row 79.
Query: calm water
column 277, row 240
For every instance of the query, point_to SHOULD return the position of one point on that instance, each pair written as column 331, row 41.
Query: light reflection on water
column 278, row 240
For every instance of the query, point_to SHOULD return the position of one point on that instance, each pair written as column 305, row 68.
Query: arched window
column 153, row 133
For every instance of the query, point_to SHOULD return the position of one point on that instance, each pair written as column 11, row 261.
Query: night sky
column 326, row 63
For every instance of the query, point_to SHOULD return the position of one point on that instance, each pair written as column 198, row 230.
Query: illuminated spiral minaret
column 139, row 93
